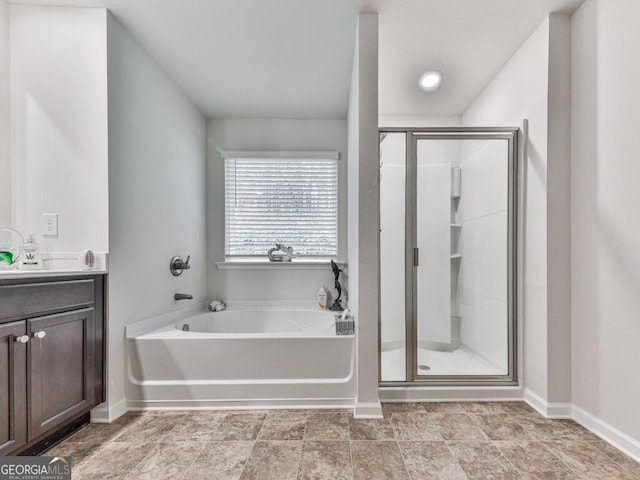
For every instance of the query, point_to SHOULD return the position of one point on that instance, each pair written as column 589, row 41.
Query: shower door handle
column 416, row 256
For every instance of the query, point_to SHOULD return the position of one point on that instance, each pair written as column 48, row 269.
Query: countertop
column 13, row 274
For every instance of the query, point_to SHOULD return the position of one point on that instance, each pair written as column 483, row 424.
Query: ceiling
column 293, row 58
column 468, row 40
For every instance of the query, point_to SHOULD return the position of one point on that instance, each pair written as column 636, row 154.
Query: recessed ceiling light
column 430, row 81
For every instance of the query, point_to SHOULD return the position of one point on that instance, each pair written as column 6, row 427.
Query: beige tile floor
column 498, row 440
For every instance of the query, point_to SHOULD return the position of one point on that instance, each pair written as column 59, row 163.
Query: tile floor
column 497, row 440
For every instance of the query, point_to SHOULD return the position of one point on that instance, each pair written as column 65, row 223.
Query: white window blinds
column 283, row 198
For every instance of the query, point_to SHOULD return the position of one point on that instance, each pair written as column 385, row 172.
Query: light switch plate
column 50, row 224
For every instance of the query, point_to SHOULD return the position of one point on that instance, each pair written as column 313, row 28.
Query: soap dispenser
column 322, row 298
column 30, row 259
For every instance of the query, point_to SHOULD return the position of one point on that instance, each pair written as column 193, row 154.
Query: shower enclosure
column 448, row 246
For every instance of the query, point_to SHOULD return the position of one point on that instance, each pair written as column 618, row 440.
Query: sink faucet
column 183, row 296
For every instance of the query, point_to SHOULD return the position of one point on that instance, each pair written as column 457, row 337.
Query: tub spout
column 183, row 296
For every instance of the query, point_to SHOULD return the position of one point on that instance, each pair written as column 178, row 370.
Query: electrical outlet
column 50, row 224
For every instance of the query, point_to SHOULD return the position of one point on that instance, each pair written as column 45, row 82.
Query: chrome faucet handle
column 176, row 265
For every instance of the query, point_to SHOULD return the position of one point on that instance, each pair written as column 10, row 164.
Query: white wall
column 559, row 211
column 269, row 134
column 59, row 124
column 521, row 90
column 484, row 217
column 5, row 125
column 419, row 121
column 157, row 192
column 604, row 213
column 363, row 211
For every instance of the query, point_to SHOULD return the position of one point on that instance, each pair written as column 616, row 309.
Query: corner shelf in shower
column 456, row 232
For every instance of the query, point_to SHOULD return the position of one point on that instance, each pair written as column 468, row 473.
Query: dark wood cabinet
column 61, row 368
column 13, row 386
column 51, row 360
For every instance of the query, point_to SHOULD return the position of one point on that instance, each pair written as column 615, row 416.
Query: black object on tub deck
column 337, row 305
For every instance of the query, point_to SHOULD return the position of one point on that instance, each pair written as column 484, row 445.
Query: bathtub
column 248, row 356
column 262, row 322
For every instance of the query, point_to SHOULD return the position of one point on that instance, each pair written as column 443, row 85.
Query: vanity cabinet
column 13, row 387
column 61, row 362
column 51, row 356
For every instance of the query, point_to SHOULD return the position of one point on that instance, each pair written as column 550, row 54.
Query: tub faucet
column 183, row 296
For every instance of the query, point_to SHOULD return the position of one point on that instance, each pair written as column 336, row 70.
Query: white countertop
column 10, row 274
column 59, row 264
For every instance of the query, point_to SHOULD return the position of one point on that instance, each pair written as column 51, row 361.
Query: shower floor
column 458, row 362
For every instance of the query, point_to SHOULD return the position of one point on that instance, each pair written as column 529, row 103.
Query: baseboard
column 367, row 410
column 105, row 413
column 448, row 394
column 547, row 409
column 239, row 404
column 608, row 433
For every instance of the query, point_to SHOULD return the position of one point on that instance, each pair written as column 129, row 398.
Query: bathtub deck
column 413, row 441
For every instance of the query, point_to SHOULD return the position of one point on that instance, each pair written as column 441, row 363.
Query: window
column 281, row 197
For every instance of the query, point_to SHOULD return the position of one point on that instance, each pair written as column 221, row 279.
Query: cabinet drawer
column 34, row 299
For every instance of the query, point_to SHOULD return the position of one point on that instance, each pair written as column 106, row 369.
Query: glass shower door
column 461, row 277
column 393, row 181
column 437, row 262
column 447, row 260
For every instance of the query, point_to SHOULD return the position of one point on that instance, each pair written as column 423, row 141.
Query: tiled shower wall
column 484, row 208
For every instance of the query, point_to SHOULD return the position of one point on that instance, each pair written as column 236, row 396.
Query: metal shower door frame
column 411, row 321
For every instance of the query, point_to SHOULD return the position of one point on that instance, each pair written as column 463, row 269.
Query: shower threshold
column 456, row 362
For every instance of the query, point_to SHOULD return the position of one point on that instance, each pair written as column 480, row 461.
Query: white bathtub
column 246, row 356
column 262, row 322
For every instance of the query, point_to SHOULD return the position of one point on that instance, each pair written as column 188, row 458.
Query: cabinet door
column 13, row 386
column 61, row 368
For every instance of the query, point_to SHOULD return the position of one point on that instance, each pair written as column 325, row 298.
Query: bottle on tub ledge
column 322, row 298
column 30, row 258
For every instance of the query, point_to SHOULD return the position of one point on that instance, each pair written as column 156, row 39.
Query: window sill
column 265, row 265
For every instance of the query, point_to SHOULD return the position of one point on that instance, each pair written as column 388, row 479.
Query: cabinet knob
column 39, row 334
column 22, row 339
